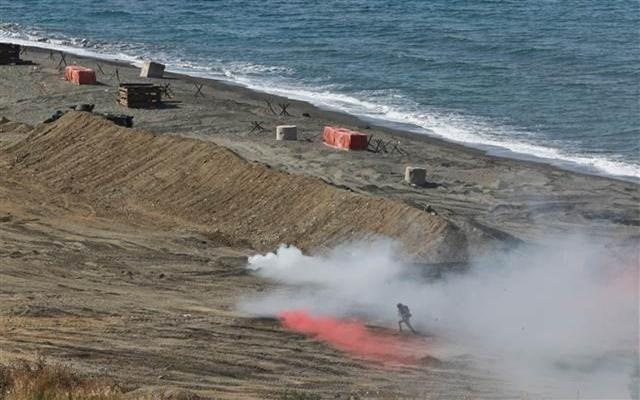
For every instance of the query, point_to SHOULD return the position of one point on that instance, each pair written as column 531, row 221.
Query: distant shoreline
column 403, row 130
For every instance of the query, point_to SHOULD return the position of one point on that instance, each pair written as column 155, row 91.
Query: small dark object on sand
column 54, row 117
column 83, row 107
column 120, row 119
column 306, row 115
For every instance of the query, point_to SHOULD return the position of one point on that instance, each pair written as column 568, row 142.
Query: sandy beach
column 483, row 195
column 123, row 251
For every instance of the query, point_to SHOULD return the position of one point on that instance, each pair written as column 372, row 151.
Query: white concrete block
column 415, row 176
column 286, row 132
column 151, row 69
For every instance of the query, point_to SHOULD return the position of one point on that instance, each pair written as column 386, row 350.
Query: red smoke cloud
column 351, row 337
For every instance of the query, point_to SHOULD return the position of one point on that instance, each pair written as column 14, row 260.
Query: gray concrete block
column 415, row 176
column 152, row 69
column 286, row 132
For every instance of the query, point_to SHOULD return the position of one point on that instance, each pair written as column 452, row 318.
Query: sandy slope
column 93, row 274
column 189, row 182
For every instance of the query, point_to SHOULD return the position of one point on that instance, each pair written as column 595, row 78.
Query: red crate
column 346, row 139
column 80, row 75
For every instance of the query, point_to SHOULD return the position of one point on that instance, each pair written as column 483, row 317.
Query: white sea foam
column 63, row 45
column 387, row 108
column 454, row 127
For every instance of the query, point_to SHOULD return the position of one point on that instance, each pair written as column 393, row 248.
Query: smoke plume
column 562, row 316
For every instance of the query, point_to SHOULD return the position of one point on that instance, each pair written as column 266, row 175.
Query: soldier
column 405, row 317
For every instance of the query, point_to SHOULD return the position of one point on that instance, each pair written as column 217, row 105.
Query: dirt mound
column 173, row 180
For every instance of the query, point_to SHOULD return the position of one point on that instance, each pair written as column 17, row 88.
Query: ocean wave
column 247, row 68
column 385, row 107
column 15, row 33
column 110, row 13
column 454, row 127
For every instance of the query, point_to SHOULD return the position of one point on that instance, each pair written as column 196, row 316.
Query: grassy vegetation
column 42, row 381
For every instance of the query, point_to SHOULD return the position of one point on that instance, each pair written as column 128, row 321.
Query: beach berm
column 130, row 170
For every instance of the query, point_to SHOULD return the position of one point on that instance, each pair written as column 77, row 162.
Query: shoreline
column 388, row 126
column 493, row 199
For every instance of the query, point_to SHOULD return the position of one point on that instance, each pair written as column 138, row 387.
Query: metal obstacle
column 381, row 146
column 167, row 91
column 256, row 126
column 270, row 107
column 198, row 92
column 283, row 109
column 63, row 60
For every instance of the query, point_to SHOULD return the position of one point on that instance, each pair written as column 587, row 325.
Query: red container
column 346, row 139
column 80, row 75
column 67, row 71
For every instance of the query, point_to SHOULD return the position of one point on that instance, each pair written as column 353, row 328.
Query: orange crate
column 346, row 139
column 80, row 75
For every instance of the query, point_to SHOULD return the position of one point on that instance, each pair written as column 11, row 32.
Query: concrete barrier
column 415, row 176
column 286, row 132
column 151, row 69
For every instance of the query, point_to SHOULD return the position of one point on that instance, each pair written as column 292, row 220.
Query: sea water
column 556, row 81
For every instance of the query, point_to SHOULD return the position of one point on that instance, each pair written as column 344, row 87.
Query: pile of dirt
column 173, row 180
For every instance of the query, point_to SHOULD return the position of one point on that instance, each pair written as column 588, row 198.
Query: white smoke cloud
column 561, row 318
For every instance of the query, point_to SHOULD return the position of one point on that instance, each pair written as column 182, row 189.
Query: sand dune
column 123, row 254
column 174, row 180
